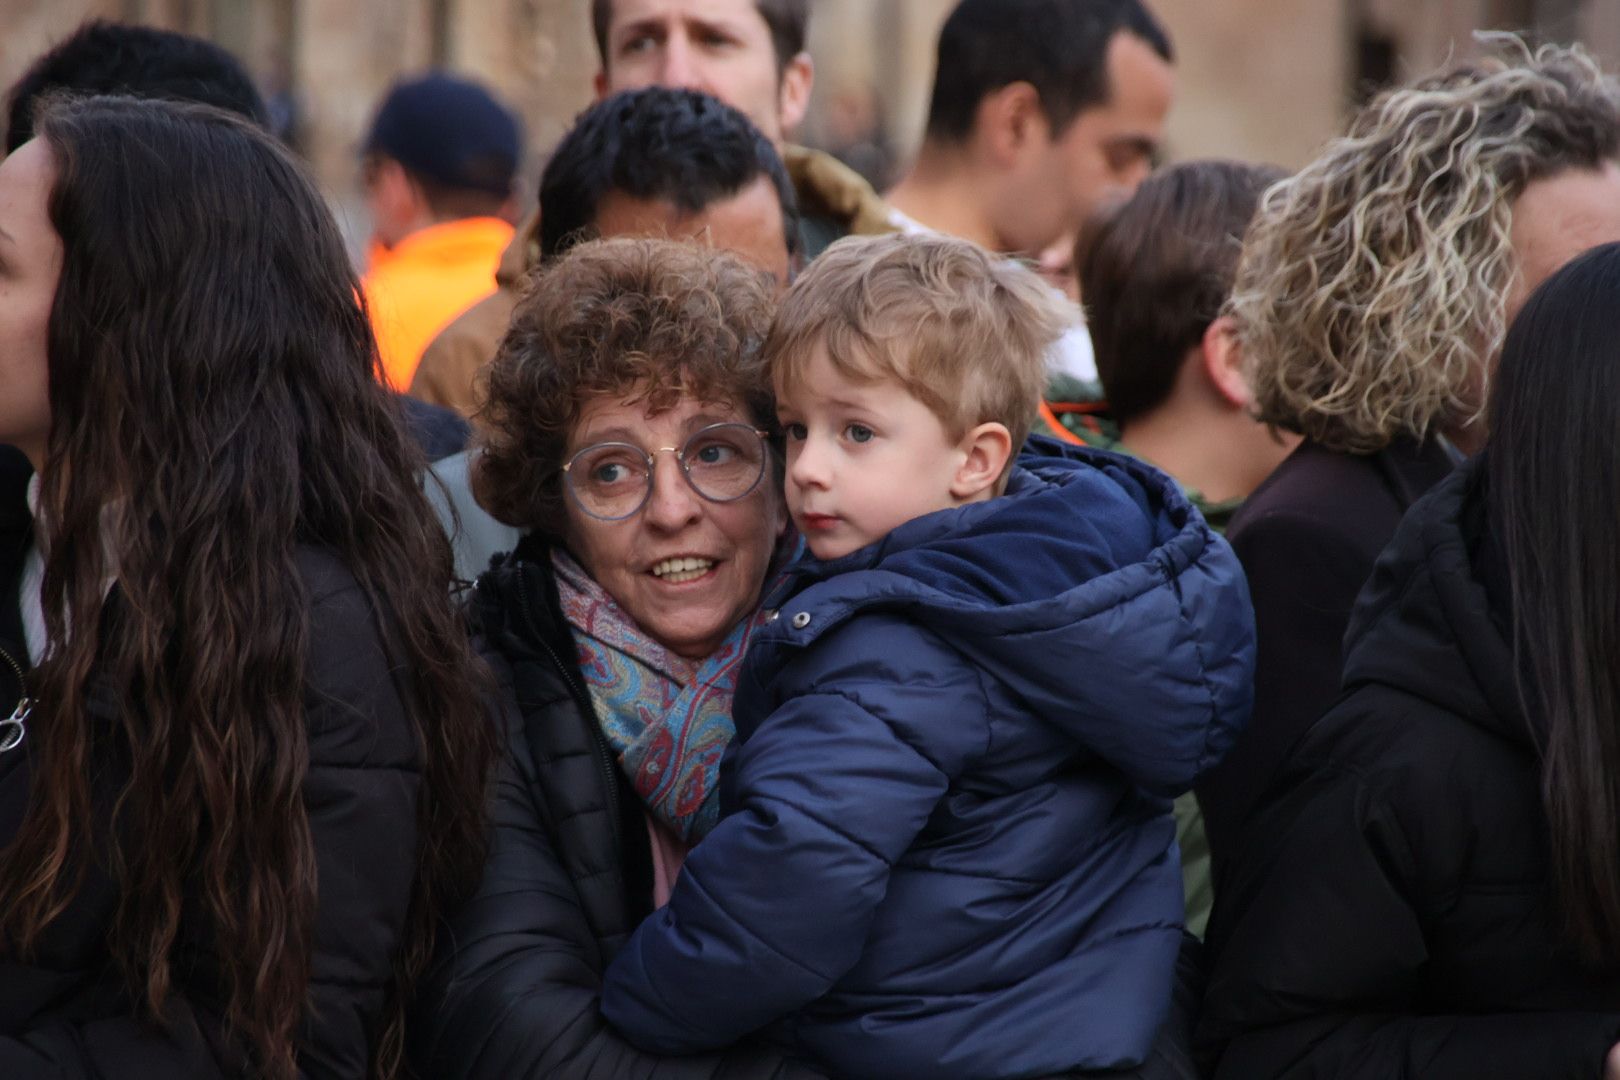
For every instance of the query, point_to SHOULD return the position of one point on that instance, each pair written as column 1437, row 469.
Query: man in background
column 652, row 162
column 1043, row 112
column 749, row 54
column 440, row 161
column 114, row 58
column 117, row 58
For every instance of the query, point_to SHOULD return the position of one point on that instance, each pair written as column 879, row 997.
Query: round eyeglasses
column 611, row 481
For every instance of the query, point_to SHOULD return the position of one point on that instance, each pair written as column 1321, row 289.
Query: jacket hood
column 1430, row 619
column 1092, row 589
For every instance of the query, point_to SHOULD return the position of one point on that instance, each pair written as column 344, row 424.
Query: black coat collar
column 16, row 535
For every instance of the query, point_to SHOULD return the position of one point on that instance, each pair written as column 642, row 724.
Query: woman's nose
column 672, row 503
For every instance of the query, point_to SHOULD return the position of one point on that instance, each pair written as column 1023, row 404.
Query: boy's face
column 862, row 459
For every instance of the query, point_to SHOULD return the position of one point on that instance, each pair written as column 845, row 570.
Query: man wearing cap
column 439, row 167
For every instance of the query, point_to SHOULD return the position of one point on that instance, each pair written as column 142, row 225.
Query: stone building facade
column 1260, row 79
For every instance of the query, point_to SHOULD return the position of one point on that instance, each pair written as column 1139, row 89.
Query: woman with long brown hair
column 245, row 768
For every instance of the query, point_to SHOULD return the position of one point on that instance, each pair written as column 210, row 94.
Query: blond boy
column 948, row 848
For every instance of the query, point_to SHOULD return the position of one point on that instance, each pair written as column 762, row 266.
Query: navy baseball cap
column 449, row 130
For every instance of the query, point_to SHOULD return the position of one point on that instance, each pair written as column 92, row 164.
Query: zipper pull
column 13, row 728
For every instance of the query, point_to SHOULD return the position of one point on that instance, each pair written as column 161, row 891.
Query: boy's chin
column 827, row 549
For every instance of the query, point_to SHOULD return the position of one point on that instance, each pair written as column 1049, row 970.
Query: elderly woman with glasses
column 625, row 437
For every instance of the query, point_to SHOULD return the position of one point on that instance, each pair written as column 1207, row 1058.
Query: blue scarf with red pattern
column 666, row 717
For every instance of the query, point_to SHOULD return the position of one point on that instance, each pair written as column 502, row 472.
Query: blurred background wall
column 1259, row 79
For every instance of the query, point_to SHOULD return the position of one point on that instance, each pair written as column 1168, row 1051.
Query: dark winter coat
column 1308, row 537
column 64, row 1012
column 438, row 432
column 514, row 990
column 1388, row 914
column 949, row 849
column 16, row 535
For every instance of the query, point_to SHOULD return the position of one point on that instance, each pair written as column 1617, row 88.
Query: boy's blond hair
column 965, row 332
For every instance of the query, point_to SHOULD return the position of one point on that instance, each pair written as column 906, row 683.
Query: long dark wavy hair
column 215, row 404
column 1553, row 481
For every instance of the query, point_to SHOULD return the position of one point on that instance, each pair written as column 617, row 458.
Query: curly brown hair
column 1373, row 285
column 656, row 319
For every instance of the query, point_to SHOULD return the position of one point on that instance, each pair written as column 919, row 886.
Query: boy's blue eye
column 858, row 433
column 796, row 432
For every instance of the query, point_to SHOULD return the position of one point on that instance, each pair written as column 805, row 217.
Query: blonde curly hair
column 1373, row 285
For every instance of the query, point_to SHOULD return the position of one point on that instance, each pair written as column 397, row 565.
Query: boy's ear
column 1223, row 363
column 985, row 451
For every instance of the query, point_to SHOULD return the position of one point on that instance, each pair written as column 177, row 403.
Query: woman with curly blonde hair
column 1372, row 297
column 1433, row 891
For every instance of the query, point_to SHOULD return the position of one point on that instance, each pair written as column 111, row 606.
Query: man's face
column 721, row 47
column 748, row 224
column 1103, row 153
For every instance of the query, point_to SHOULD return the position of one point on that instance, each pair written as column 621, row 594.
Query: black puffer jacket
column 16, row 534
column 64, row 1013
column 514, row 992
column 1388, row 915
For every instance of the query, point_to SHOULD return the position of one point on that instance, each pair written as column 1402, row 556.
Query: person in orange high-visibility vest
column 440, row 161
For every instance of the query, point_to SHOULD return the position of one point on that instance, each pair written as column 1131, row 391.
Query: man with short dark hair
column 648, row 162
column 440, row 161
column 748, row 54
column 1043, row 111
column 751, row 55
column 651, row 162
column 103, row 57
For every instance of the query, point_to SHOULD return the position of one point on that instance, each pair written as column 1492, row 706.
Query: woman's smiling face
column 686, row 569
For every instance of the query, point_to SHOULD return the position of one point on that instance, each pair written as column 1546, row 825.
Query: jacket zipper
column 604, row 761
column 14, row 728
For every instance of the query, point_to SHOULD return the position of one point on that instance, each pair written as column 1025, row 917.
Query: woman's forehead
column 636, row 415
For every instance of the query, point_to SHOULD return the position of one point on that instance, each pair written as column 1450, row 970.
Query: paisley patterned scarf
column 668, row 718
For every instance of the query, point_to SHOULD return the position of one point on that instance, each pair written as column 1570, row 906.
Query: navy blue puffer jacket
column 948, row 850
